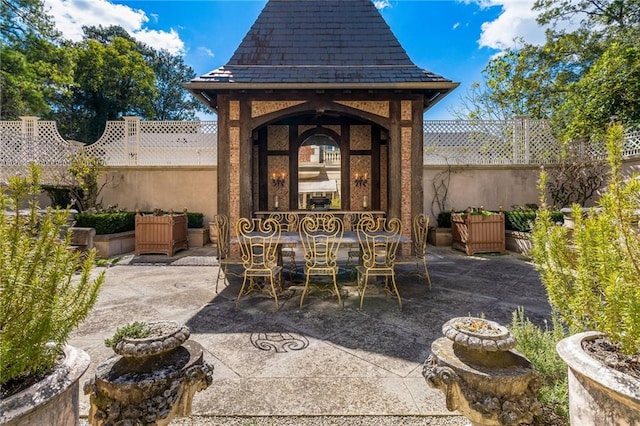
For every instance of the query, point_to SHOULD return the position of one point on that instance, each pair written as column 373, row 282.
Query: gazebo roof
column 321, row 44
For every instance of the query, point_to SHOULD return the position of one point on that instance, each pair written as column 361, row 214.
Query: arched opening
column 319, row 173
column 305, row 160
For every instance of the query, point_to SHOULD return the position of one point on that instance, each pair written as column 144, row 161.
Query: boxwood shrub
column 107, row 223
column 522, row 220
column 444, row 219
column 195, row 219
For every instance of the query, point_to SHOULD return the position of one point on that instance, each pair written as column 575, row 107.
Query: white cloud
column 517, row 20
column 381, row 4
column 205, row 51
column 161, row 40
column 71, row 15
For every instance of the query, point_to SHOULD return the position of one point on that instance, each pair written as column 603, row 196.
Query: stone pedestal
column 150, row 383
column 480, row 375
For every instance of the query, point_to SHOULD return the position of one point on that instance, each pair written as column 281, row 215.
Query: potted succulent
column 46, row 289
column 592, row 276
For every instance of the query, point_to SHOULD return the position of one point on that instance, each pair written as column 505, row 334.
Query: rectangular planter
column 478, row 233
column 440, row 237
column 518, row 242
column 164, row 234
column 198, row 237
column 109, row 245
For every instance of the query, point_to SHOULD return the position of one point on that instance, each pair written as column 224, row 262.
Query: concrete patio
column 322, row 364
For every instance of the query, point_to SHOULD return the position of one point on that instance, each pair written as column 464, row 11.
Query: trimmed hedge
column 114, row 222
column 107, row 223
column 523, row 220
column 514, row 220
column 195, row 219
column 444, row 219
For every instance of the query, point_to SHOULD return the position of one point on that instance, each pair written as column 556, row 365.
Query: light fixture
column 361, row 180
column 278, row 179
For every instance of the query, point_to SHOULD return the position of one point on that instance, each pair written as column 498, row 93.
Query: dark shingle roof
column 320, row 41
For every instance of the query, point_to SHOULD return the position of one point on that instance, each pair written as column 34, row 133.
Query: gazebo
column 326, row 77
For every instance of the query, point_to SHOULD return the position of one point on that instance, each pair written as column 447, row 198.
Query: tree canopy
column 81, row 85
column 583, row 74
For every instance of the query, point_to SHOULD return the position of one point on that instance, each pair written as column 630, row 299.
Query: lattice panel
column 488, row 142
column 632, row 143
column 158, row 143
column 22, row 142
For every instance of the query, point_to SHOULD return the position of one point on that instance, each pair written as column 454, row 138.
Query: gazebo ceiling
column 338, row 45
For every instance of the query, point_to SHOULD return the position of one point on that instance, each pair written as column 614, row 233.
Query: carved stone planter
column 480, row 375
column 151, row 380
column 598, row 395
column 52, row 401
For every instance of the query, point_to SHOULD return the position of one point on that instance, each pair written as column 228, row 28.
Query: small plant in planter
column 134, row 330
column 46, row 289
column 592, row 276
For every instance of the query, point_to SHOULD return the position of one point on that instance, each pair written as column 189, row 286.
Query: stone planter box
column 109, row 245
column 478, row 233
column 163, row 234
column 53, row 401
column 198, row 237
column 598, row 395
column 518, row 242
column 440, row 237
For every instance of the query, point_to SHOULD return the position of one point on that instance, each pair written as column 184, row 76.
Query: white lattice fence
column 133, row 142
column 520, row 141
column 31, row 140
column 632, row 143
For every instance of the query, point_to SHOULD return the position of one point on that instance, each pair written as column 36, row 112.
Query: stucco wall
column 166, row 188
column 480, row 186
column 490, row 187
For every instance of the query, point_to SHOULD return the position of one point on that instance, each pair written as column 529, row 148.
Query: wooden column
column 246, row 160
column 223, row 155
column 417, row 152
column 394, row 184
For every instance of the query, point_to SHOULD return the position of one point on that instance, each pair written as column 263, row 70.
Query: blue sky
column 452, row 38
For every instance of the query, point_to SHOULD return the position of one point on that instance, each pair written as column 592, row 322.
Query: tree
column 611, row 87
column 172, row 101
column 34, row 68
column 578, row 78
column 111, row 81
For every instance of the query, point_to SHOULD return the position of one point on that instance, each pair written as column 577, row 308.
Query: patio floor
column 326, row 365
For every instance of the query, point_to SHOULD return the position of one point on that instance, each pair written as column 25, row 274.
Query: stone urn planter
column 481, row 375
column 151, row 380
column 52, row 401
column 598, row 395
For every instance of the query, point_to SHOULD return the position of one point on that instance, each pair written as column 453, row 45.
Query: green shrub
column 60, row 196
column 195, row 219
column 444, row 219
column 592, row 275
column 46, row 289
column 519, row 220
column 107, row 223
column 538, row 345
column 523, row 219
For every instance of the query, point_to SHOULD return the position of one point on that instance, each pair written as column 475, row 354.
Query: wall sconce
column 361, row 180
column 278, row 179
